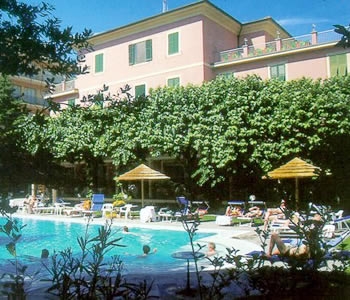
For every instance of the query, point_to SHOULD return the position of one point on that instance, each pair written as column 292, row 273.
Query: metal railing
column 64, row 86
column 34, row 100
column 297, row 42
column 278, row 45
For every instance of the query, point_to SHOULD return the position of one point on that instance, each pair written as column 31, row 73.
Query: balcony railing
column 279, row 45
column 34, row 100
column 64, row 86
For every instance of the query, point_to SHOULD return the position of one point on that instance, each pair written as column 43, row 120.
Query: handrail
column 279, row 45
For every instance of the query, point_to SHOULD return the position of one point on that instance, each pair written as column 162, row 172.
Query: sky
column 296, row 16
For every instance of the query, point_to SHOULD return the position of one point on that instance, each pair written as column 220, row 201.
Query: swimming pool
column 57, row 235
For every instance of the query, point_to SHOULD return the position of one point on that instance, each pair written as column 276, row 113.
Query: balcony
column 279, row 45
column 64, row 86
column 34, row 100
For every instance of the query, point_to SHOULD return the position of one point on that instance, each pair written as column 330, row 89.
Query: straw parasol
column 296, row 168
column 142, row 172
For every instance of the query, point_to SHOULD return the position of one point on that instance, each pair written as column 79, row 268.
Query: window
column 140, row 90
column 226, row 75
column 338, row 65
column 99, row 63
column 174, row 82
column 140, row 52
column 173, row 43
column 29, row 94
column 278, row 72
column 71, row 102
column 17, row 91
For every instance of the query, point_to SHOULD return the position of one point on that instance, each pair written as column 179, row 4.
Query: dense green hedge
column 227, row 132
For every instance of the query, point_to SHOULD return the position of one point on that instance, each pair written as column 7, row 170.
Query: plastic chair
column 107, row 207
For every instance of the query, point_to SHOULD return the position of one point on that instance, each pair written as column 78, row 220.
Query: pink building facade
column 196, row 43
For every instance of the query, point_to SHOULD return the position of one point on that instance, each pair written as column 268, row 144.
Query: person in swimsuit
column 302, row 249
column 285, row 250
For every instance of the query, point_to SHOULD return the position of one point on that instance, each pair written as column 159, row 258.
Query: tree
column 345, row 32
column 31, row 40
column 226, row 133
column 10, row 112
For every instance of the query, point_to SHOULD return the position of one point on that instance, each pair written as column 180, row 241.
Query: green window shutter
column 173, row 43
column 140, row 90
column 148, row 50
column 71, row 102
column 338, row 65
column 173, row 82
column 99, row 63
column 273, row 72
column 278, row 72
column 226, row 75
column 282, row 72
column 131, row 54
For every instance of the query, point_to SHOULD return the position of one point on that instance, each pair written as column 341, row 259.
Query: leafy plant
column 14, row 283
column 88, row 275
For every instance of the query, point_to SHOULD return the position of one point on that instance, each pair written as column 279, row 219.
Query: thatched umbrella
column 296, row 168
column 142, row 172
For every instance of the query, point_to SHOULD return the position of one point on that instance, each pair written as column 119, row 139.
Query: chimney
column 165, row 5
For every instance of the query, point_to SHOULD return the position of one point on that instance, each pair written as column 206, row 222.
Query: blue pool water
column 58, row 235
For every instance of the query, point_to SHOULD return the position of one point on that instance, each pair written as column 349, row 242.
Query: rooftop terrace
column 278, row 45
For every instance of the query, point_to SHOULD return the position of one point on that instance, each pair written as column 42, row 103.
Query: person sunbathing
column 313, row 229
column 235, row 212
column 301, row 250
column 228, row 211
column 275, row 213
column 253, row 212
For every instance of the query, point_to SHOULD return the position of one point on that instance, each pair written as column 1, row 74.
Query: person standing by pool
column 32, row 203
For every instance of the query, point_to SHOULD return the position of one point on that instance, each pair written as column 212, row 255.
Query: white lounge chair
column 165, row 214
column 76, row 211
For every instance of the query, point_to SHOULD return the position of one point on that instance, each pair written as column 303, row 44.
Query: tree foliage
column 31, row 40
column 229, row 131
column 31, row 43
column 345, row 32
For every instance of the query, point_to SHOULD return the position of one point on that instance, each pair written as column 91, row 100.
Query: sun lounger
column 247, row 219
column 165, row 214
column 76, row 211
column 331, row 254
column 202, row 207
column 228, row 220
column 342, row 223
column 184, row 205
column 44, row 210
column 97, row 201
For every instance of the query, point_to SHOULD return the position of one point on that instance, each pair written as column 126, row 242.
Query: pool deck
column 165, row 286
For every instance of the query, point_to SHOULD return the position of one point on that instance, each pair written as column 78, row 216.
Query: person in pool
column 211, row 249
column 44, row 253
column 147, row 250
